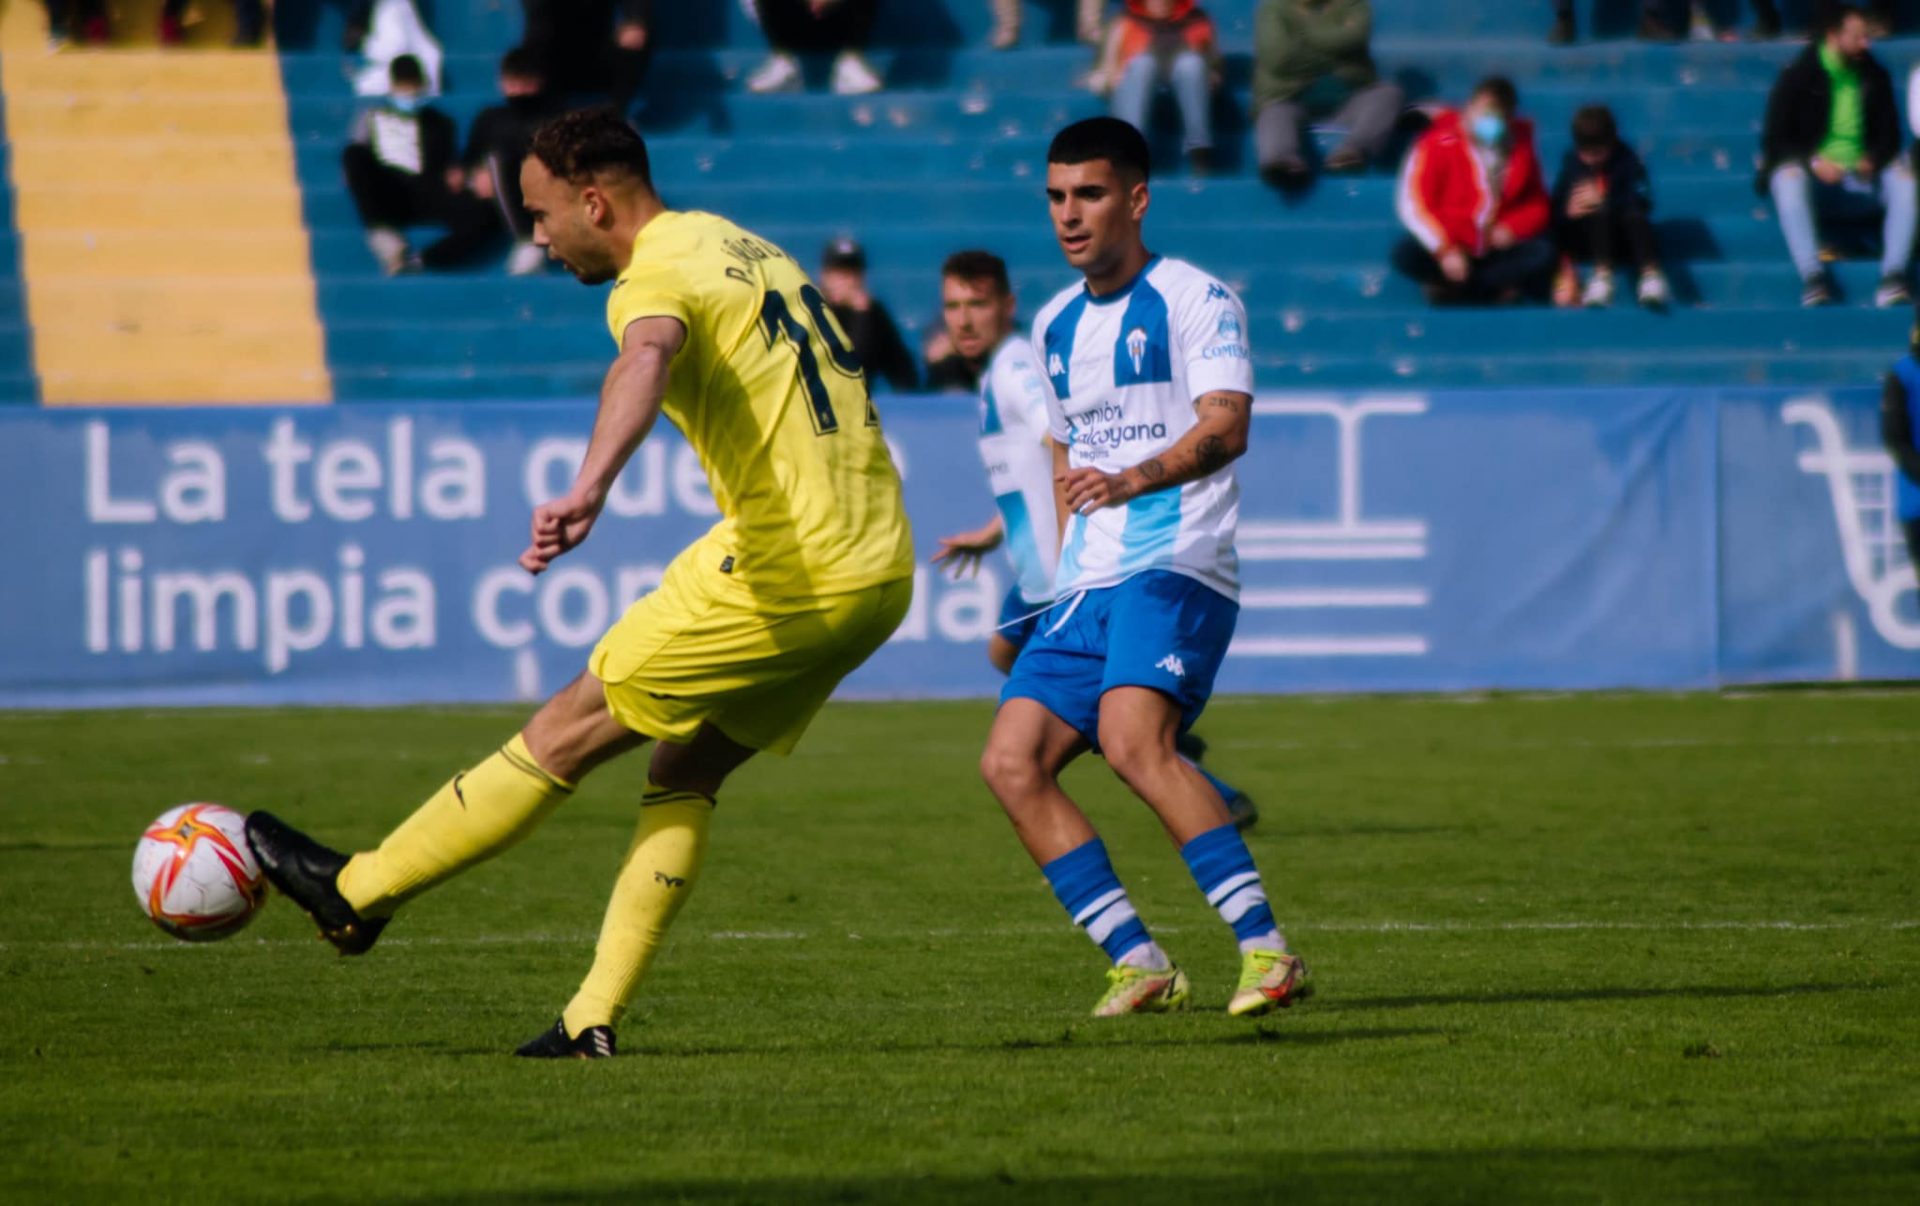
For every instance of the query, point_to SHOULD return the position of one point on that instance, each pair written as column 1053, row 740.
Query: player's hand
column 1089, row 489
column 558, row 526
column 1826, row 170
column 964, row 550
column 1454, row 266
column 1584, row 199
column 631, row 36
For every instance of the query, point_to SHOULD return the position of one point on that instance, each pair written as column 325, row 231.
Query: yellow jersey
column 768, row 391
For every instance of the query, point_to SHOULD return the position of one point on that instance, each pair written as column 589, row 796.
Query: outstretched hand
column 558, row 526
column 963, row 551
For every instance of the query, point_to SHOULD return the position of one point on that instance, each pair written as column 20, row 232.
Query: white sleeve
column 1056, row 425
column 1023, row 389
column 1212, row 330
column 1913, row 101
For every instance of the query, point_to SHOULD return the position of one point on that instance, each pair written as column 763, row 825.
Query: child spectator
column 1475, row 205
column 1603, row 214
column 401, row 171
column 1164, row 43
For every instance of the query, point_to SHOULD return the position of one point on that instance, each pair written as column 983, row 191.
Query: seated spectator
column 797, row 27
column 593, row 47
column 393, row 28
column 401, row 171
column 1473, row 200
column 1164, row 43
column 498, row 142
column 1658, row 24
column 976, row 314
column 1603, row 214
column 1899, row 421
column 1088, row 22
column 1832, row 149
column 875, row 337
column 1310, row 58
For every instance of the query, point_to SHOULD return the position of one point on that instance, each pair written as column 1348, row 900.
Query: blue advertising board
column 1389, row 542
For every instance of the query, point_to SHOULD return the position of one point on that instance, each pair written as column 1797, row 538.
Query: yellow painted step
column 183, row 160
column 86, row 207
column 117, row 254
column 46, row 114
column 175, row 304
column 175, row 383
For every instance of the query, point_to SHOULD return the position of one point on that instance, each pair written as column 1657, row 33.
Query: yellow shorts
column 702, row 650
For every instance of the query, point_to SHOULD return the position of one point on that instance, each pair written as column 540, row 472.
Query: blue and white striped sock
column 1087, row 888
column 1223, row 867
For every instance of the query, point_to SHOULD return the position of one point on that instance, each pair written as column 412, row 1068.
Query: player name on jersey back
column 1123, row 372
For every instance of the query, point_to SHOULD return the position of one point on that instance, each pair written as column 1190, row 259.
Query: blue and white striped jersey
column 1013, row 443
column 1123, row 372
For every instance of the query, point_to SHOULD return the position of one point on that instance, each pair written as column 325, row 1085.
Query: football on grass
column 194, row 874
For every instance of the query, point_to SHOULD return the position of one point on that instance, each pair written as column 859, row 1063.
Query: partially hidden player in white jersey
column 1149, row 390
column 977, row 308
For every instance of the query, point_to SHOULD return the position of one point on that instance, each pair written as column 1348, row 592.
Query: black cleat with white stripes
column 595, row 1042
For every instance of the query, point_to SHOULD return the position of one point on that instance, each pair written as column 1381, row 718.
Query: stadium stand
column 953, row 153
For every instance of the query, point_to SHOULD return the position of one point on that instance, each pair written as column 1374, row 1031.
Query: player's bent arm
column 630, row 399
column 1213, row 443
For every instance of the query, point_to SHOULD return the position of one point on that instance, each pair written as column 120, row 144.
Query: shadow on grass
column 1823, row 1170
column 1700, row 992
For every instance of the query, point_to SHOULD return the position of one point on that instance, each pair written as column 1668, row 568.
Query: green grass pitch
column 1588, row 949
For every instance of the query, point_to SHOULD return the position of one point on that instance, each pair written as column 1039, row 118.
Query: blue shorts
column 1018, row 618
column 1157, row 629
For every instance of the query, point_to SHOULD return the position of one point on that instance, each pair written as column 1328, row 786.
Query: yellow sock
column 478, row 814
column 659, row 872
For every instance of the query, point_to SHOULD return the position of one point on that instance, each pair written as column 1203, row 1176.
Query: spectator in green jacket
column 1310, row 59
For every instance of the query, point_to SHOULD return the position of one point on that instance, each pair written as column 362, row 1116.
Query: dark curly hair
column 585, row 143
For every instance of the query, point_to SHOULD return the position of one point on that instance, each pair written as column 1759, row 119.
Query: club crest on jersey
column 1137, row 346
column 1228, row 328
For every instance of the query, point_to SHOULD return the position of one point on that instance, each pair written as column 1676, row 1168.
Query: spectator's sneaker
column 526, row 259
column 1653, row 292
column 1269, row 980
column 1563, row 32
column 1700, row 24
column 308, row 873
column 1286, row 173
column 1815, row 291
column 1653, row 29
column 1345, row 159
column 852, row 76
column 389, row 248
column 1136, row 990
column 780, row 73
column 1598, row 294
column 1892, row 291
column 595, row 1042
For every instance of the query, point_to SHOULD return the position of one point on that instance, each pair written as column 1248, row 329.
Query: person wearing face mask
column 401, row 171
column 498, row 142
column 1831, row 149
column 1475, row 206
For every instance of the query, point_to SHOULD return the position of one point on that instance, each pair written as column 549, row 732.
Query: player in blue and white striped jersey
column 1149, row 392
column 977, row 308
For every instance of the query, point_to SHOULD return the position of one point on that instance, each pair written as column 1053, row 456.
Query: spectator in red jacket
column 1170, row 43
column 1475, row 205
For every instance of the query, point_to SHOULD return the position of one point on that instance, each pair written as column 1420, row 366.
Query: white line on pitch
column 1300, row 550
column 1389, row 646
column 1310, row 599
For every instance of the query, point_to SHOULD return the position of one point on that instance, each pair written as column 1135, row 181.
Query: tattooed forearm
column 1233, row 404
column 1152, row 470
column 1209, row 446
column 1212, row 454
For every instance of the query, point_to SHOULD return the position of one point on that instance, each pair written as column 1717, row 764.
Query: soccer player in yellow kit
column 807, row 573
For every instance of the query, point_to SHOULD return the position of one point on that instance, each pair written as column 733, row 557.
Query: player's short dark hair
column 1594, row 129
column 405, row 69
column 1500, row 90
column 1106, row 138
column 978, row 266
column 521, row 63
column 585, row 143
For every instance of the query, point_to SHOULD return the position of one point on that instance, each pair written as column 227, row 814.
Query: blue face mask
column 1489, row 129
column 408, row 103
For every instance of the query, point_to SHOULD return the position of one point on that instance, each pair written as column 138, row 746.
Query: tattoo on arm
column 1231, row 403
column 1211, row 454
column 1153, row 470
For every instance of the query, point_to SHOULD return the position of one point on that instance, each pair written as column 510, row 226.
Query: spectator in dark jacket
column 1475, row 204
column 801, row 27
column 1832, row 148
column 401, row 171
column 594, row 47
column 1603, row 214
column 876, row 339
column 1662, row 20
column 1310, row 58
column 498, row 142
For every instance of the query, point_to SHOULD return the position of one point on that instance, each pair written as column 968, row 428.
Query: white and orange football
column 195, row 876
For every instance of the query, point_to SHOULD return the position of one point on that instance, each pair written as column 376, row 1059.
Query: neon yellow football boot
column 1137, row 990
column 1269, row 980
